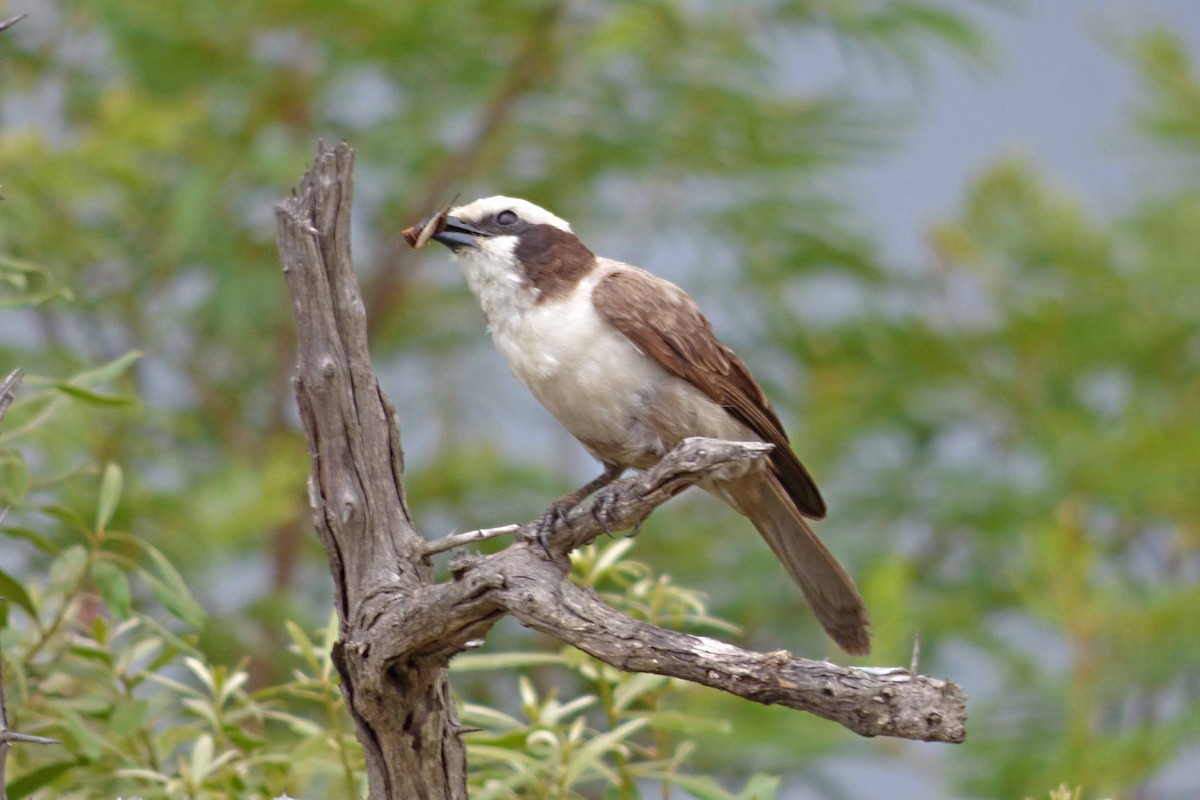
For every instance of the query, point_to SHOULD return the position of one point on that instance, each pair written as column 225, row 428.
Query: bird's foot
column 556, row 513
column 636, row 530
column 604, row 511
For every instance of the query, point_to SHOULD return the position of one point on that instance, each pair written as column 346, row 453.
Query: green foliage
column 1173, row 111
column 618, row 730
column 1065, row 793
column 99, row 653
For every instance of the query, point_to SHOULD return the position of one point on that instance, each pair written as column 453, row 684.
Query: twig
column 8, row 737
column 12, row 737
column 8, row 23
column 468, row 537
column 8, row 390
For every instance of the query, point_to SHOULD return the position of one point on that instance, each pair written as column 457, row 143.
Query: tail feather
column 826, row 586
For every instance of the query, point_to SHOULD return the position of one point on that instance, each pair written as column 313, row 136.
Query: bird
column 630, row 366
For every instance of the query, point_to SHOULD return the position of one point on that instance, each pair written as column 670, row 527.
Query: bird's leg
column 558, row 509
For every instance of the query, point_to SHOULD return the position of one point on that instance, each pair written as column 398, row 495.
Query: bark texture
column 399, row 628
column 401, row 704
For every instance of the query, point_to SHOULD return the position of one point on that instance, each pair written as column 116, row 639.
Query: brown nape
column 554, row 260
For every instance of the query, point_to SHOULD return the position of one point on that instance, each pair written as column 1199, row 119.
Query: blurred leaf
column 110, row 495
column 77, row 736
column 12, row 590
column 202, row 757
column 95, row 398
column 303, row 644
column 113, row 586
column 31, row 781
column 24, row 284
column 33, row 537
column 14, row 478
column 129, row 716
column 105, row 372
column 165, row 581
column 1173, row 113
column 67, row 569
column 176, row 599
column 588, row 756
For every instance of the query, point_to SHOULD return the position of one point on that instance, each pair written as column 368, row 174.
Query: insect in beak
column 420, row 234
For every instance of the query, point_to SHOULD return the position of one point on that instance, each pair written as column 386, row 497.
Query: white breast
column 584, row 372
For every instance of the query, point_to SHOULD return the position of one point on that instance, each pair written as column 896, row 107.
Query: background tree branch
column 398, row 628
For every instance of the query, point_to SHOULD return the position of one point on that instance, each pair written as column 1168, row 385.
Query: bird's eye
column 506, row 218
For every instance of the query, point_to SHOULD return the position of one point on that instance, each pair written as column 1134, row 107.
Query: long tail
column 827, row 587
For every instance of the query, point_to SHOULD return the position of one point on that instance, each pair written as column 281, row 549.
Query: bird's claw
column 555, row 514
column 636, row 530
column 543, row 539
column 602, row 512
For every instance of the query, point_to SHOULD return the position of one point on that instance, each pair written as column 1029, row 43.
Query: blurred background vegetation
column 1008, row 431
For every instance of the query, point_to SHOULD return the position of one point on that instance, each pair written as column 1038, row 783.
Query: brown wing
column 667, row 325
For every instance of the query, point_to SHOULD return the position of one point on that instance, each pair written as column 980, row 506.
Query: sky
column 1059, row 93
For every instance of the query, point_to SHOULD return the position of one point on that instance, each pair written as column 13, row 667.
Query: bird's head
column 505, row 241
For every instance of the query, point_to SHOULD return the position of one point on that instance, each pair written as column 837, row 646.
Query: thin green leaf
column 303, row 644
column 35, row 298
column 760, row 787
column 12, row 590
column 105, row 372
column 591, row 753
column 203, row 672
column 33, row 537
column 95, row 398
column 129, row 716
column 110, row 494
column 490, row 717
column 636, row 686
column 113, row 586
column 202, row 756
column 68, row 568
column 700, row 787
column 14, row 479
column 169, row 589
column 30, row 782
column 75, row 730
column 10, row 264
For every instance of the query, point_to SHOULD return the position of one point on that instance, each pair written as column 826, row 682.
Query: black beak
column 456, row 233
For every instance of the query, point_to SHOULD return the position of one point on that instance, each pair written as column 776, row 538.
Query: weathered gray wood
column 405, row 717
column 398, row 628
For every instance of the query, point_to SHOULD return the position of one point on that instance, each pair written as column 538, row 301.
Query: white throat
column 495, row 278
